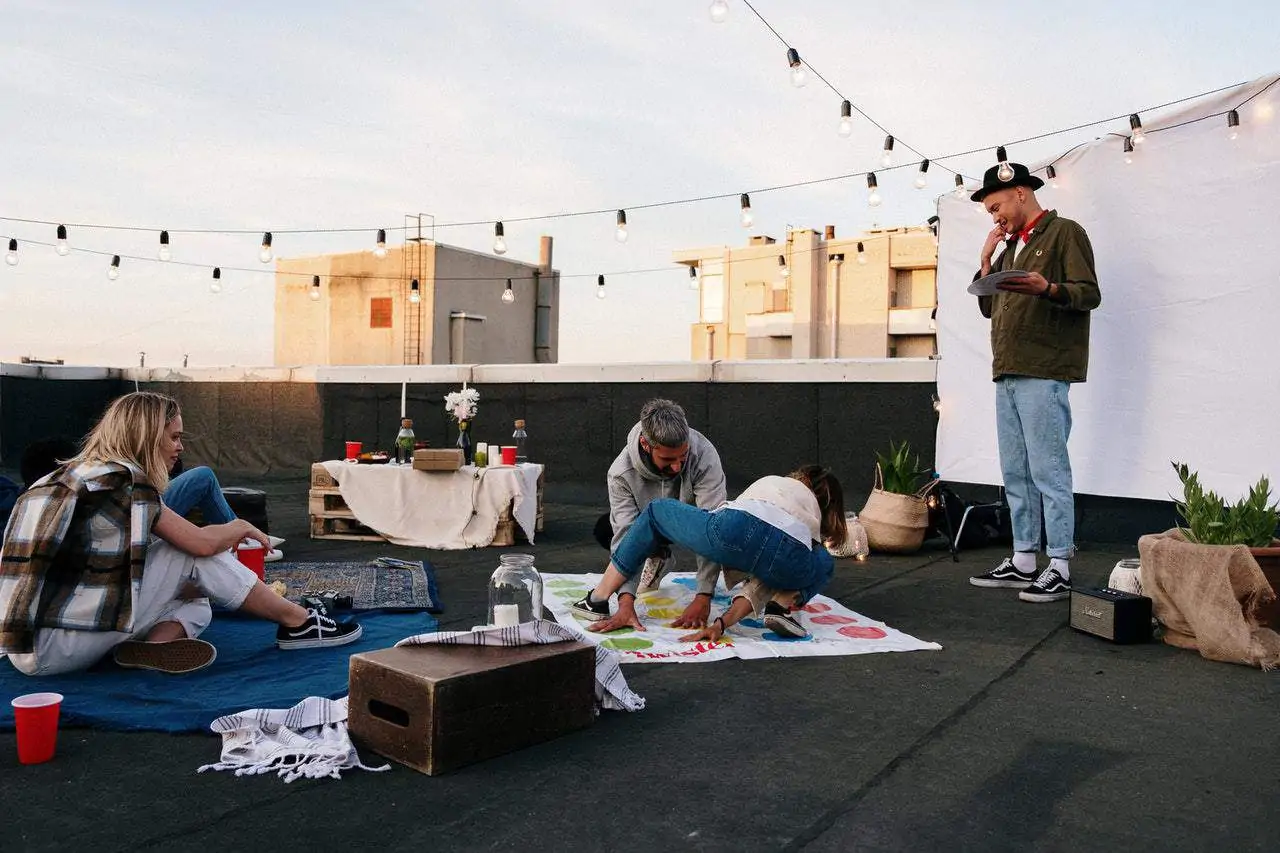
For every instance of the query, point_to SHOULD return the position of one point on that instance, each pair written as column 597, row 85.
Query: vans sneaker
column 319, row 631
column 176, row 657
column 592, row 611
column 1005, row 576
column 651, row 574
column 782, row 623
column 1050, row 586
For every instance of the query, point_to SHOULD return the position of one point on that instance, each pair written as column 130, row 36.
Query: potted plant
column 896, row 514
column 1251, row 521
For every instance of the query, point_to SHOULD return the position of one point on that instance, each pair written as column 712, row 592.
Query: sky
column 287, row 116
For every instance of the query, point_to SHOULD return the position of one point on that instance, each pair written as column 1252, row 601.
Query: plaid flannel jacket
column 73, row 552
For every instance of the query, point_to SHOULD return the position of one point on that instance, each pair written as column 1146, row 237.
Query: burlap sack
column 1206, row 596
column 895, row 523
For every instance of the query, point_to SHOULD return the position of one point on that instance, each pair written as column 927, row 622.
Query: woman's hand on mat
column 695, row 615
column 625, row 618
column 711, row 633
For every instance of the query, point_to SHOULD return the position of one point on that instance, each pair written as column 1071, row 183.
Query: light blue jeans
column 1033, row 422
column 198, row 487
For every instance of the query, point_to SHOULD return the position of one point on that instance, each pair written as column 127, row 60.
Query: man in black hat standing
column 1039, row 346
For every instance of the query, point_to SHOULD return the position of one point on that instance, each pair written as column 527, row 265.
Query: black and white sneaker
column 1050, row 586
column 651, row 574
column 782, row 623
column 319, row 631
column 1004, row 576
column 592, row 611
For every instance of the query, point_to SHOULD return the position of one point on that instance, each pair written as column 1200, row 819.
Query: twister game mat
column 833, row 628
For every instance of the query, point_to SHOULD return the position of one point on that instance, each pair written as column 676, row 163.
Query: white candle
column 506, row 615
column 403, row 387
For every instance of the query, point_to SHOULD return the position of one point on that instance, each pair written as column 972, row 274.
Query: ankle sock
column 1063, row 567
column 1025, row 562
column 591, row 598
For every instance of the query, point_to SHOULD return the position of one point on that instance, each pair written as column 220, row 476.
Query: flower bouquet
column 461, row 406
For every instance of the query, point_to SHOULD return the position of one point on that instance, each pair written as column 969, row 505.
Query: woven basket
column 895, row 523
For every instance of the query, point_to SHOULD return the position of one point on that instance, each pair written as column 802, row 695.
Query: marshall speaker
column 1111, row 614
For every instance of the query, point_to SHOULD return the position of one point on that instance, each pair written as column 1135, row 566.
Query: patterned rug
column 382, row 584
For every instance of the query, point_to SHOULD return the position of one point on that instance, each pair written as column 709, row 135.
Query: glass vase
column 515, row 591
column 464, row 441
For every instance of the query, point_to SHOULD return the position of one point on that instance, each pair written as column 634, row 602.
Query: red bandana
column 1025, row 233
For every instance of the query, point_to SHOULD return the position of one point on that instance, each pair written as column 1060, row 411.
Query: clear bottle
column 480, row 457
column 519, row 438
column 515, row 591
column 404, row 442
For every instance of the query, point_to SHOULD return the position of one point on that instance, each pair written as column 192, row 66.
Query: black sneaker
column 318, row 631
column 1004, row 576
column 651, row 574
column 1050, row 586
column 592, row 611
column 782, row 623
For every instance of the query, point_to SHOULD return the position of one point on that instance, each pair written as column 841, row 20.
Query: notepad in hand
column 989, row 284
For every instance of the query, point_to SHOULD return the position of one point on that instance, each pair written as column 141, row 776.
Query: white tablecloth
column 446, row 510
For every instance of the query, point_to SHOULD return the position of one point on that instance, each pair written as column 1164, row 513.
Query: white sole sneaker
column 785, row 626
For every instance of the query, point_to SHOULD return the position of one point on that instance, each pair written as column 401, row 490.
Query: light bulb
column 783, row 269
column 61, row 246
column 499, row 239
column 845, row 127
column 873, row 190
column 164, row 254
column 264, row 253
column 693, row 278
column 621, row 234
column 600, row 294
column 415, row 295
column 862, row 254
column 1135, row 125
column 719, row 10
column 798, row 75
column 11, row 256
column 747, row 218
column 886, row 159
column 113, row 271
column 380, row 250
column 215, row 286
column 314, row 294
column 508, row 295
column 922, row 177
column 1052, row 174
column 1005, row 172
column 1233, row 124
column 1128, row 149
column 959, row 185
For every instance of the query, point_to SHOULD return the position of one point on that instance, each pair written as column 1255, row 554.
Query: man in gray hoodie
column 664, row 458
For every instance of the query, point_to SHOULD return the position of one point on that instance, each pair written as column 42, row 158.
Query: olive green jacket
column 1036, row 336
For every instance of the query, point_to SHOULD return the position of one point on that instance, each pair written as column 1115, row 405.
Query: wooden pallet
column 345, row 529
column 327, row 503
column 320, row 478
column 331, row 518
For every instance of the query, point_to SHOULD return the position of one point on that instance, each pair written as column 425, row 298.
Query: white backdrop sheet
column 1185, row 347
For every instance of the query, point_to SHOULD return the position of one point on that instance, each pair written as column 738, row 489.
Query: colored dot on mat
column 563, row 583
column 778, row 638
column 860, row 632
column 832, row 620
column 817, row 607
column 663, row 612
column 571, row 593
column 723, row 600
column 751, row 623
column 692, row 583
column 627, row 644
column 657, row 600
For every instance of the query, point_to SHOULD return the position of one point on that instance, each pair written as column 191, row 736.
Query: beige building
column 365, row 309
column 813, row 296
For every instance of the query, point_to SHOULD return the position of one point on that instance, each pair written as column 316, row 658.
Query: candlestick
column 506, row 615
column 403, row 388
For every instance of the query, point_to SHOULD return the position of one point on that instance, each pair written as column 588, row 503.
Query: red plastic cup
column 35, row 717
column 254, row 557
column 353, row 449
column 508, row 456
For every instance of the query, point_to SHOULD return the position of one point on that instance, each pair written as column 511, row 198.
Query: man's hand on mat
column 625, row 618
column 695, row 615
column 712, row 633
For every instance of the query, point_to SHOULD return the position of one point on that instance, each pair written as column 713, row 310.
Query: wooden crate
column 436, row 708
column 327, row 503
column 345, row 529
column 320, row 478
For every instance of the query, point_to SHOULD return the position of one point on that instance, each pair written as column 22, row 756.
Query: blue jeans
column 198, row 487
column 734, row 539
column 1033, row 422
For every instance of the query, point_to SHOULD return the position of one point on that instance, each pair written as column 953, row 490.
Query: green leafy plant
column 901, row 469
column 1210, row 520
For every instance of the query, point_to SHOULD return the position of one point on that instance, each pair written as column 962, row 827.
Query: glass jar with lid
column 515, row 591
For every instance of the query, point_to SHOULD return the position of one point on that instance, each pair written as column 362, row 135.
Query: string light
column 499, row 239
column 1128, row 149
column 11, row 256
column 314, row 293
column 164, row 254
column 1005, row 172
column 1135, row 125
column 873, row 191
column 719, row 10
column 959, row 185
column 747, row 218
column 886, row 159
column 933, row 227
column 922, row 177
column 783, row 270
column 508, row 295
column 415, row 293
column 621, row 234
column 1233, row 124
column 600, row 294
column 1052, row 174
column 61, row 246
column 845, row 128
column 380, row 249
column 215, row 286
column 798, row 76
column 693, row 278
column 113, row 271
column 862, row 254
column 264, row 252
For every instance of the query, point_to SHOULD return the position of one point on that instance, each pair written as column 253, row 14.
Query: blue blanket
column 250, row 672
